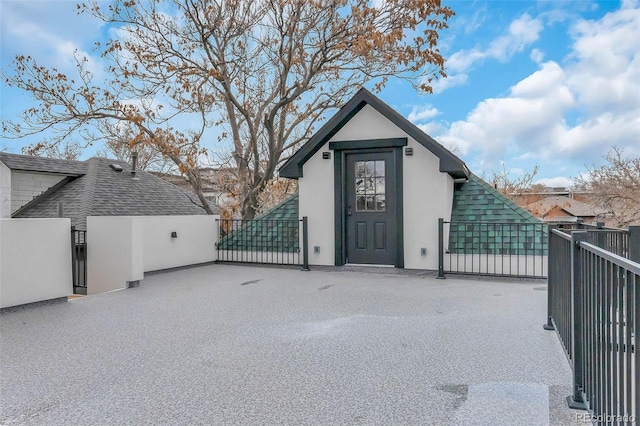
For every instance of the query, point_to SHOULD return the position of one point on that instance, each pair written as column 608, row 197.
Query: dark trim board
column 368, row 144
column 339, row 199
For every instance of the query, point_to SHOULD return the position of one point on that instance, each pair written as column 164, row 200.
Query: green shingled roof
column 276, row 230
column 476, row 200
column 485, row 221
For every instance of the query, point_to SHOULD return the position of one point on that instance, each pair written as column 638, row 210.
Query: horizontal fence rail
column 79, row 260
column 594, row 306
column 613, row 240
column 266, row 241
column 491, row 248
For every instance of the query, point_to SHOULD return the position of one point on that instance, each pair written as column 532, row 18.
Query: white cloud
column 532, row 113
column 522, row 32
column 431, row 128
column 575, row 112
column 421, row 113
column 443, row 84
column 42, row 30
column 537, row 55
column 605, row 67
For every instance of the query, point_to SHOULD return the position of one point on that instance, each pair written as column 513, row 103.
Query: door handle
column 349, row 212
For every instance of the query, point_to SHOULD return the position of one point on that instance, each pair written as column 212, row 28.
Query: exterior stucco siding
column 25, row 186
column 427, row 193
column 317, row 203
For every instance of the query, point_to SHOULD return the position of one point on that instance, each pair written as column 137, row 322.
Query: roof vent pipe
column 134, row 161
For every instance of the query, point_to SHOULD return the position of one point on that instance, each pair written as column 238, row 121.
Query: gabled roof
column 572, row 207
column 449, row 163
column 29, row 163
column 103, row 191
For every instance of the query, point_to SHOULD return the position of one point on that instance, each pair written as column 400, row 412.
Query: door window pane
column 370, row 185
column 371, row 206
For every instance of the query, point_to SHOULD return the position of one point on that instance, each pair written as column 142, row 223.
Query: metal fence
column 594, row 305
column 491, row 248
column 79, row 260
column 266, row 241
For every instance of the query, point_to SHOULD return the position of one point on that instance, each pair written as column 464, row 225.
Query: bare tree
column 512, row 186
column 149, row 157
column 265, row 72
column 69, row 151
column 615, row 187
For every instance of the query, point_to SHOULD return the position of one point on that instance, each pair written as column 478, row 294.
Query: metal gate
column 79, row 260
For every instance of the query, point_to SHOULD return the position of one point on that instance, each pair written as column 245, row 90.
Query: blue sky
column 548, row 83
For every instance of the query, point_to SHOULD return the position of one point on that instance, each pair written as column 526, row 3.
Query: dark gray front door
column 371, row 208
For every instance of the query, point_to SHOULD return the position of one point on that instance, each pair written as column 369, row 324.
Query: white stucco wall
column 27, row 185
column 114, row 252
column 195, row 243
column 35, row 260
column 316, row 201
column 121, row 249
column 428, row 193
column 5, row 191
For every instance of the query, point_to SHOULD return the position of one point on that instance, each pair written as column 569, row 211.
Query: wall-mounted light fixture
column 326, row 155
column 408, row 152
column 174, row 234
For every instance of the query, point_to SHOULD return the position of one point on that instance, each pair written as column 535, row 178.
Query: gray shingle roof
column 102, row 191
column 39, row 164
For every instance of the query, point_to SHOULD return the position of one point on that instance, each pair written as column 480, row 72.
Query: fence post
column 634, row 243
column 577, row 400
column 74, row 266
column 440, row 249
column 551, row 256
column 305, row 244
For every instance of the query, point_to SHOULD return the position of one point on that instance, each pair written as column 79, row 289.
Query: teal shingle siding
column 482, row 221
column 485, row 221
column 276, row 230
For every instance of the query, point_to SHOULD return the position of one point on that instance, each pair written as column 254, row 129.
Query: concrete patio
column 223, row 344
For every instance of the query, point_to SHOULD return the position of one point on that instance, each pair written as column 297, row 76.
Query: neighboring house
column 373, row 186
column 42, row 187
column 564, row 209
